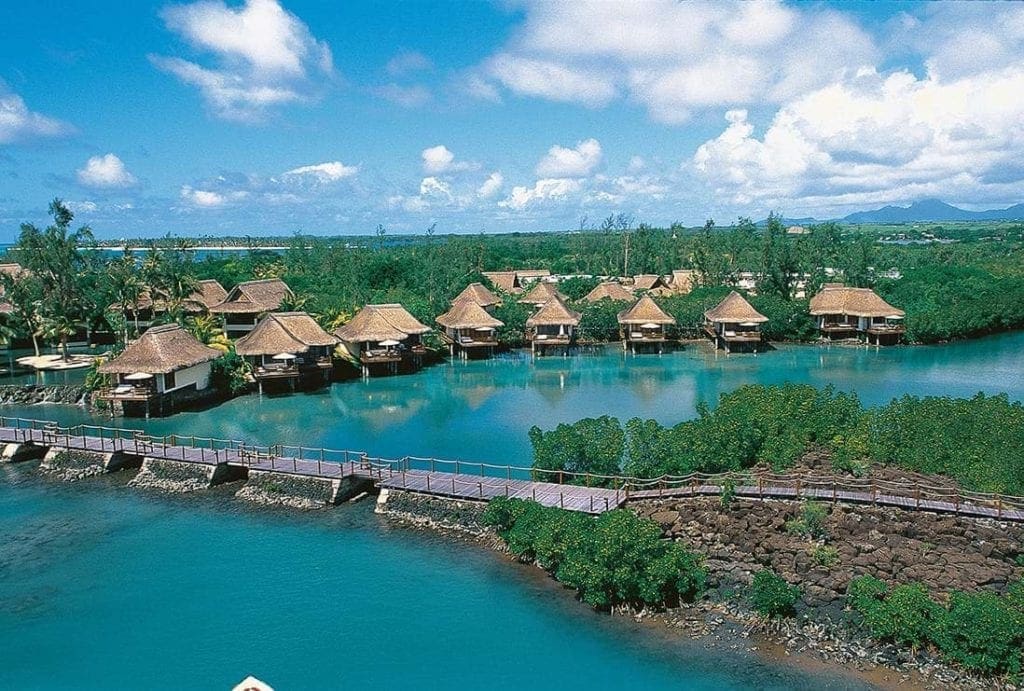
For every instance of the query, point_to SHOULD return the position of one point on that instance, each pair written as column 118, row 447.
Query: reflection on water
column 482, row 409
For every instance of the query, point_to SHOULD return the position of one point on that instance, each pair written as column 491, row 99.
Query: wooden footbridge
column 473, row 481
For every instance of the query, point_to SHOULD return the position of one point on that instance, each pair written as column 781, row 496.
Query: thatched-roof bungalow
column 734, row 324
column 480, row 294
column 843, row 312
column 248, row 301
column 682, row 281
column 514, row 282
column 469, row 328
column 383, row 335
column 651, row 283
column 540, row 293
column 288, row 346
column 165, row 367
column 553, row 325
column 208, row 293
column 644, row 324
column 609, row 290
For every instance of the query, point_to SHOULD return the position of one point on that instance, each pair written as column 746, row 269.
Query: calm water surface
column 103, row 586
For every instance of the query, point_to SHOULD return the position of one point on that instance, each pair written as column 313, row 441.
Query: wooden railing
column 915, row 492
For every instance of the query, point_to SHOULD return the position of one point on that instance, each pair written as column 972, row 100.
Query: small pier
column 25, row 439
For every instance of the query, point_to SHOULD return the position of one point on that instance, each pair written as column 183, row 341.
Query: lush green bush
column 228, row 373
column 983, row 632
column 576, row 287
column 599, row 321
column 978, row 441
column 615, row 558
column 591, row 445
column 771, row 595
column 811, row 521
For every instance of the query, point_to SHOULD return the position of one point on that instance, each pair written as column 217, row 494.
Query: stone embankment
column 178, row 477
column 294, row 491
column 30, row 394
column 434, row 513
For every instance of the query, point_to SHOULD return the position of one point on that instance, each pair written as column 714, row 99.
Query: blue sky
column 267, row 117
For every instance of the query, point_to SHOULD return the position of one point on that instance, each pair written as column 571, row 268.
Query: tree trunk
column 35, row 343
column 64, row 347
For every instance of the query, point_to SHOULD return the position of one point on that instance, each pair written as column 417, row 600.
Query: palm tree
column 207, row 329
column 294, row 302
column 7, row 335
column 126, row 286
column 59, row 327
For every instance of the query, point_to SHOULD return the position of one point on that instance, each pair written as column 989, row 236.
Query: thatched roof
column 502, row 280
column 540, row 293
column 512, row 281
column 735, row 309
column 478, row 293
column 160, row 350
column 466, row 314
column 682, row 281
column 209, row 293
column 284, row 332
column 645, row 311
column 381, row 323
column 648, row 282
column 609, row 290
column 254, row 297
column 553, row 313
column 836, row 298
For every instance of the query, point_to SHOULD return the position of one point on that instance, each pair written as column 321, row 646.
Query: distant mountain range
column 926, row 210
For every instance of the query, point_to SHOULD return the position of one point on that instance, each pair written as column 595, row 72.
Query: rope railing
column 918, row 491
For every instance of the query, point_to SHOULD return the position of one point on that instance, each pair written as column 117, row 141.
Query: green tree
column 590, row 446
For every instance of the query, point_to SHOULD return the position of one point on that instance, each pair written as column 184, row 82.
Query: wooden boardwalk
column 488, row 481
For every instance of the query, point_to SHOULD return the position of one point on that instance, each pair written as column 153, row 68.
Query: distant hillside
column 933, row 210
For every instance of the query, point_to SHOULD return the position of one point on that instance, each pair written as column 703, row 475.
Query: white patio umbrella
column 251, row 683
column 649, row 325
column 283, row 356
column 139, row 376
column 483, row 328
column 749, row 324
column 389, row 343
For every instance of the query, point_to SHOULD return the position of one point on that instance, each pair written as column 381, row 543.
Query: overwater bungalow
column 734, row 324
column 642, row 326
column 844, row 312
column 541, row 293
column 247, row 302
column 288, row 347
column 165, row 368
column 610, row 290
column 468, row 328
column 479, row 294
column 553, row 325
column 514, row 282
column 385, row 335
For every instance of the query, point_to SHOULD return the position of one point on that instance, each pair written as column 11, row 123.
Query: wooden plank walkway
column 883, row 499
column 399, row 474
column 482, row 488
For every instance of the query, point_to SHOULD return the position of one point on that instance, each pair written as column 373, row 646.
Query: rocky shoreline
column 970, row 554
column 32, row 394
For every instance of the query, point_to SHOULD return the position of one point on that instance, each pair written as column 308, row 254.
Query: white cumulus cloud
column 542, row 190
column 264, row 55
column 332, row 171
column 208, row 199
column 577, row 162
column 439, row 159
column 106, row 171
column 18, row 123
column 878, row 138
column 675, row 57
column 492, row 185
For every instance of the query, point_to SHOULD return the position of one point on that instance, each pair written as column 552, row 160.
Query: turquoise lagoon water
column 103, row 586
